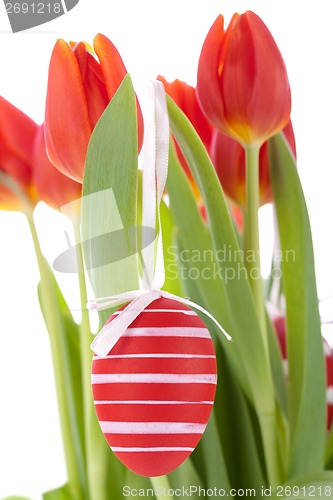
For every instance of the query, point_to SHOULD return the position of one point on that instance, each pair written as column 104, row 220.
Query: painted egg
column 280, row 327
column 154, row 391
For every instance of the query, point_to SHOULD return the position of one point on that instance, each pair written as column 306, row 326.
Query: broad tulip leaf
column 109, row 204
column 244, row 327
column 208, row 457
column 198, row 254
column 110, row 192
column 134, row 482
column 233, row 420
column 329, row 451
column 172, row 281
column 185, row 476
column 305, row 344
column 239, row 430
column 277, row 367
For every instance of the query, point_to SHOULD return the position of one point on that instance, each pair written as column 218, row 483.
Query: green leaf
column 277, row 367
column 109, row 204
column 252, row 362
column 238, row 429
column 65, row 349
column 307, row 486
column 172, row 281
column 186, row 477
column 212, row 457
column 244, row 325
column 63, row 493
column 208, row 457
column 305, row 344
column 197, row 257
column 110, row 193
column 329, row 450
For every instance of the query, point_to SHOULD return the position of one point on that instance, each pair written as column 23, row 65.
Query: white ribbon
column 111, row 333
column 154, row 174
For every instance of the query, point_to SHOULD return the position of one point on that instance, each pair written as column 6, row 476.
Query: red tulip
column 53, row 187
column 17, row 134
column 280, row 327
column 79, row 89
column 228, row 157
column 243, row 86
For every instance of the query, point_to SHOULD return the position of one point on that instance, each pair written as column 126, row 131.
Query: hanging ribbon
column 154, row 175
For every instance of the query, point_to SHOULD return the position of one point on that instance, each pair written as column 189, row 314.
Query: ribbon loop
column 154, row 175
column 111, row 332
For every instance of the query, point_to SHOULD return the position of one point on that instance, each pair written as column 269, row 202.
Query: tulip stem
column 97, row 450
column 251, row 235
column 86, row 337
column 55, row 327
column 266, row 417
column 161, row 487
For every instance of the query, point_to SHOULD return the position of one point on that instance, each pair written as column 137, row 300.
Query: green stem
column 73, row 452
column 86, row 338
column 97, row 451
column 266, row 412
column 161, row 487
column 251, row 236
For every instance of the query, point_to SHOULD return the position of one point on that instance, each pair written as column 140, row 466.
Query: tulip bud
column 228, row 157
column 53, row 187
column 79, row 89
column 17, row 133
column 243, row 86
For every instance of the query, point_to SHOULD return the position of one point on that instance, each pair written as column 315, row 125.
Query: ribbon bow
column 154, row 175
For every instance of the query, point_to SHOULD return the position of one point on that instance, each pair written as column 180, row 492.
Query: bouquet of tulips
column 231, row 150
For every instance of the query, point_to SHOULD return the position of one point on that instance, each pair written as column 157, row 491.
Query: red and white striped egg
column 154, row 392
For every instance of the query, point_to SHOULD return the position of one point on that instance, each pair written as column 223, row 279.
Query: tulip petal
column 185, row 97
column 93, row 83
column 17, row 132
column 229, row 161
column 114, row 71
column 67, row 125
column 113, row 68
column 254, row 82
column 208, row 91
column 53, row 187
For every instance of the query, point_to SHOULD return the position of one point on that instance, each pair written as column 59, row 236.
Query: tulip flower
column 228, row 157
column 243, row 86
column 185, row 97
column 79, row 89
column 52, row 187
column 17, row 133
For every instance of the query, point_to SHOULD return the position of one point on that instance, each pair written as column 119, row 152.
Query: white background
column 153, row 37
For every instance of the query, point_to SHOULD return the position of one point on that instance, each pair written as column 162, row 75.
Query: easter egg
column 280, row 328
column 154, row 391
